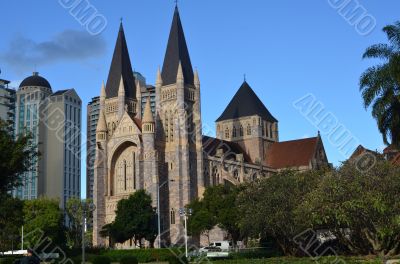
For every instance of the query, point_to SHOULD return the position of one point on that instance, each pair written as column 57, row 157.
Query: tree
column 11, row 220
column 380, row 85
column 74, row 209
column 218, row 207
column 267, row 207
column 201, row 221
column 361, row 208
column 135, row 218
column 16, row 155
column 43, row 223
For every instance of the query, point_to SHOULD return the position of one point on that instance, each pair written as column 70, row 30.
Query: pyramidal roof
column 246, row 103
column 177, row 51
column 121, row 66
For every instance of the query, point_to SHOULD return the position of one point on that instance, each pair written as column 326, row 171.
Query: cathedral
column 164, row 151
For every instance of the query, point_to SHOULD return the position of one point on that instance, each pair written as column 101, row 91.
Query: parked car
column 209, row 249
column 223, row 245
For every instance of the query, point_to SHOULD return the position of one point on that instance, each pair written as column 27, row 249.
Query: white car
column 225, row 246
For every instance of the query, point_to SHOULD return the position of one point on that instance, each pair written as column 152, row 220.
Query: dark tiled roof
column 35, row 80
column 121, row 66
column 291, row 154
column 211, row 145
column 396, row 159
column 246, row 103
column 59, row 92
column 177, row 51
column 138, row 122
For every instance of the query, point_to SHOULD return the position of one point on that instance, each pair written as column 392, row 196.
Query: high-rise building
column 54, row 120
column 93, row 110
column 7, row 103
column 149, row 91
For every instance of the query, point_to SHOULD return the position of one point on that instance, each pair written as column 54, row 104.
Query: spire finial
column 176, row 3
column 244, row 76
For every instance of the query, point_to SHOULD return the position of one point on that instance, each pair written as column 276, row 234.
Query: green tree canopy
column 201, row 221
column 361, row 208
column 135, row 218
column 267, row 207
column 74, row 209
column 11, row 221
column 43, row 223
column 217, row 207
column 16, row 155
column 380, row 85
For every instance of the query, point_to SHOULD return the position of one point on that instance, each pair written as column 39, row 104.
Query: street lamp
column 86, row 208
column 159, row 212
column 185, row 213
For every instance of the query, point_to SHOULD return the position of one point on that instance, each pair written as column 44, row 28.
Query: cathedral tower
column 178, row 130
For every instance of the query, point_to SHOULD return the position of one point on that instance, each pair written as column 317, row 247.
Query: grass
column 287, row 260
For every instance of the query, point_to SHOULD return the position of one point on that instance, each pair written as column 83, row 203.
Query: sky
column 302, row 58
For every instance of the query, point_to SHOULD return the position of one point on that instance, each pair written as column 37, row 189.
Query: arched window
column 227, row 133
column 248, row 130
column 214, row 176
column 234, row 132
column 270, row 131
column 171, row 119
column 124, row 172
column 172, row 216
column 236, row 175
column 166, row 128
column 241, row 131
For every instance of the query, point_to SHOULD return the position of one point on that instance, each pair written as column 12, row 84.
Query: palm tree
column 380, row 85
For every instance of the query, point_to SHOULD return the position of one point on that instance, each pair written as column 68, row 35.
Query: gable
column 127, row 127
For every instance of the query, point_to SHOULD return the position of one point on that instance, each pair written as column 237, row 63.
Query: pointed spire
column 148, row 114
column 103, row 91
column 196, row 78
column 177, row 51
column 101, row 124
column 121, row 65
column 121, row 89
column 159, row 80
column 179, row 76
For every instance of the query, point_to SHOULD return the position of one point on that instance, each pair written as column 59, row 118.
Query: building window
column 166, row 127
column 234, row 132
column 241, row 131
column 270, row 131
column 248, row 130
column 125, row 175
column 172, row 216
column 227, row 133
column 171, row 127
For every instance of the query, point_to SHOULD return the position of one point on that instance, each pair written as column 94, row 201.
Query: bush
column 128, row 260
column 177, row 260
column 101, row 260
column 7, row 260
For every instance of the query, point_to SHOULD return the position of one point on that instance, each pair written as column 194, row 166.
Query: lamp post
column 159, row 211
column 185, row 213
column 86, row 208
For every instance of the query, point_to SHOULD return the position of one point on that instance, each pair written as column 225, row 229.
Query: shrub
column 177, row 260
column 101, row 260
column 128, row 260
column 7, row 260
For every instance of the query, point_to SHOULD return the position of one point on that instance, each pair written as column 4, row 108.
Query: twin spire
column 177, row 53
column 121, row 66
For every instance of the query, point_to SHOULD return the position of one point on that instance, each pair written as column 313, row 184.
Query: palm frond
column 393, row 34
column 373, row 81
column 380, row 51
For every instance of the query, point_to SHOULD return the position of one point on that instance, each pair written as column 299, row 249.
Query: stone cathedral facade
column 165, row 150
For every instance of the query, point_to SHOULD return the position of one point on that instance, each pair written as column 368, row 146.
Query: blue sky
column 286, row 48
